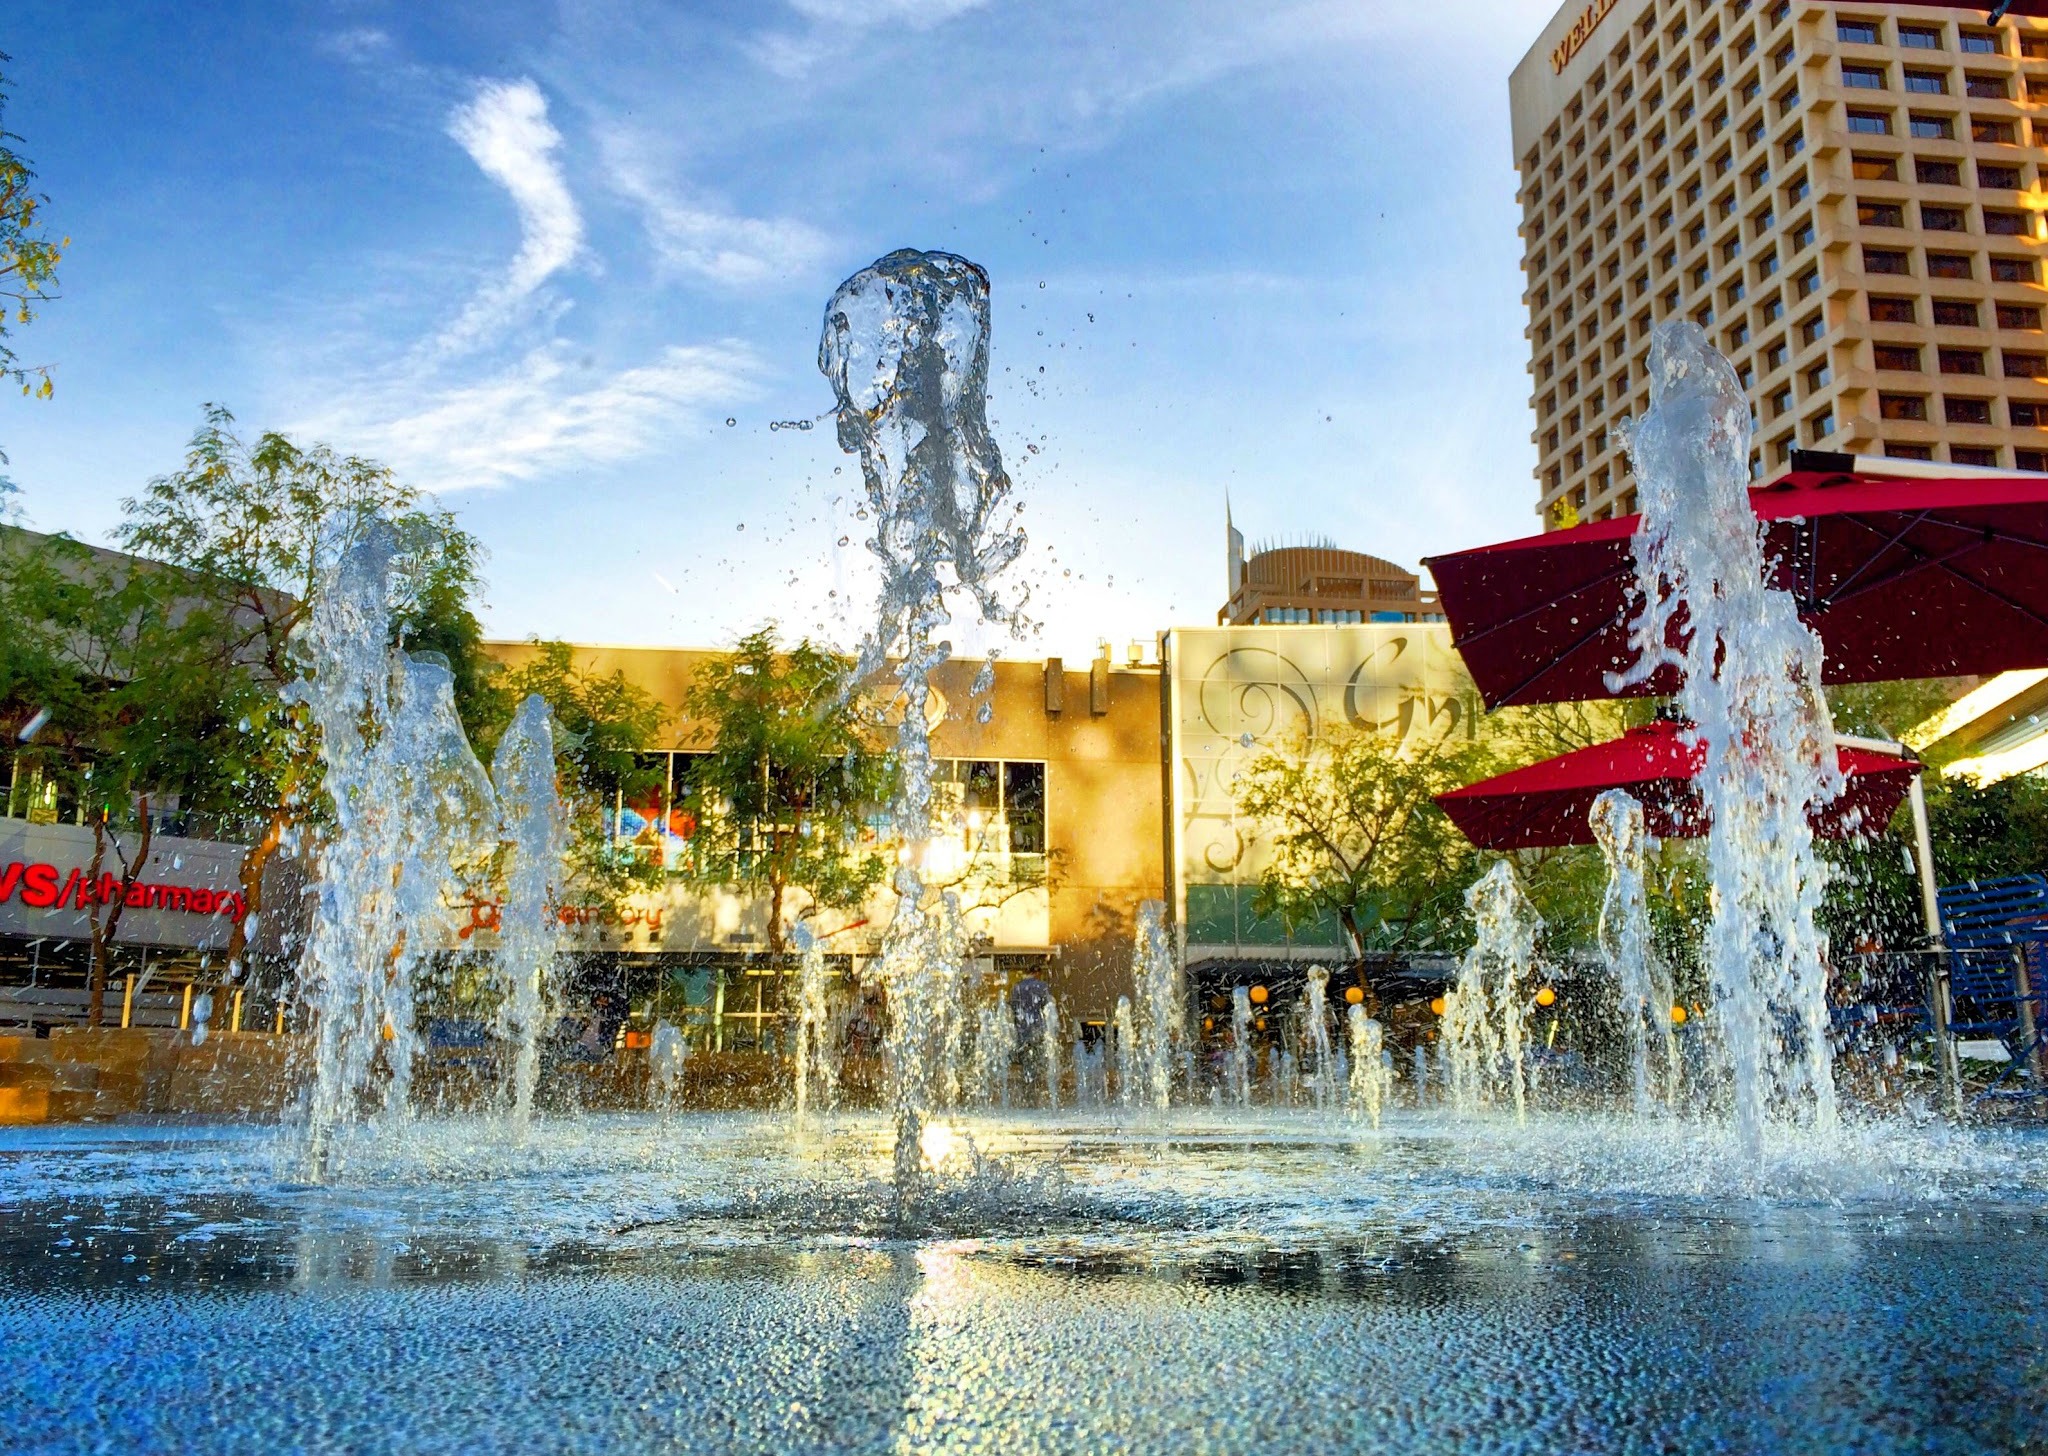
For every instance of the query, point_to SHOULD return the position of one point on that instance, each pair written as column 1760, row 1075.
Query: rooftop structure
column 1313, row 581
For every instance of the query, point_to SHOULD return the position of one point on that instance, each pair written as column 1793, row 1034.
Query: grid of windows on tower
column 1845, row 201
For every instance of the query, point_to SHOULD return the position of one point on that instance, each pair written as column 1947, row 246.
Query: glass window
column 1898, row 357
column 1885, row 309
column 1941, row 219
column 1024, row 806
column 1975, row 455
column 1990, row 174
column 1982, row 129
column 2029, row 413
column 1864, row 78
column 1964, row 361
column 1885, row 214
column 2019, row 316
column 2008, row 224
column 1931, row 128
column 2019, row 365
column 1936, row 173
column 1966, row 411
column 1857, row 32
column 1869, row 168
column 1902, row 406
column 1955, row 313
column 1927, row 83
column 1949, row 265
column 2013, row 270
column 1871, row 123
column 1919, row 38
column 1980, row 43
column 1908, row 452
column 1987, row 88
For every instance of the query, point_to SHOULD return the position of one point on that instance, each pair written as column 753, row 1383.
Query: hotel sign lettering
column 1575, row 38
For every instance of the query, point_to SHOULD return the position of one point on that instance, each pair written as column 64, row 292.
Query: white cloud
column 505, row 129
column 692, row 238
column 918, row 14
column 534, row 416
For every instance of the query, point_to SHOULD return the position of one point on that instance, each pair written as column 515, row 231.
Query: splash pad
column 1313, row 1254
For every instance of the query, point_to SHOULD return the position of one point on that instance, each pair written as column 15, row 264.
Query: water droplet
column 741, row 526
column 730, row 421
column 1041, row 283
column 844, row 539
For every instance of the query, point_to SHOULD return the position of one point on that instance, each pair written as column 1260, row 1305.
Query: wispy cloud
column 506, row 131
column 535, row 416
column 695, row 239
column 918, row 14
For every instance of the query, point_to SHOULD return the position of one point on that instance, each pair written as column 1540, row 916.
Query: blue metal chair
column 1994, row 929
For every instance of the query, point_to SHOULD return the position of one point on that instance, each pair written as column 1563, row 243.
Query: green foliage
column 603, row 724
column 1355, row 833
column 28, row 258
column 783, row 799
column 1891, row 709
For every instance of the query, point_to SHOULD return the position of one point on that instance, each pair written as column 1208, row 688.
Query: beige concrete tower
column 1847, row 197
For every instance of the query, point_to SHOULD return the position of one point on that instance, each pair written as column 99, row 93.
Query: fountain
column 1484, row 1018
column 1641, row 982
column 524, row 771
column 1371, row 1081
column 666, row 1276
column 1315, row 1040
column 1751, row 688
column 1155, row 975
column 816, row 1064
column 905, row 349
column 1241, row 1046
column 345, row 974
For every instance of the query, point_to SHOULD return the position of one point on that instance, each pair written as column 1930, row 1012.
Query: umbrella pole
column 1937, row 965
column 1935, row 977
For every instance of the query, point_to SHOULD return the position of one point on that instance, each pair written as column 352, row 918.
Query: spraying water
column 1049, row 1048
column 1316, row 1036
column 1486, row 1016
column 1241, row 1046
column 1126, row 1053
column 530, row 930
column 1155, row 975
column 905, row 348
column 995, row 1049
column 817, row 1065
column 344, row 973
column 1640, row 979
column 1752, row 689
column 1372, row 1080
column 446, row 820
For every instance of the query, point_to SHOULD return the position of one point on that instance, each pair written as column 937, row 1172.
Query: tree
column 246, row 530
column 28, row 259
column 1355, row 834
column 784, row 798
column 603, row 726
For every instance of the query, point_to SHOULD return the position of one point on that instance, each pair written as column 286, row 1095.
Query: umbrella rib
column 1991, row 591
column 1869, row 560
column 1551, row 666
column 1546, row 605
column 1920, row 562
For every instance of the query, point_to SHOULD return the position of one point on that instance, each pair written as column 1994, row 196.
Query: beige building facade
column 1846, row 197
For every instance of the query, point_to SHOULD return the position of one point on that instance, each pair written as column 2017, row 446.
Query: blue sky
column 537, row 255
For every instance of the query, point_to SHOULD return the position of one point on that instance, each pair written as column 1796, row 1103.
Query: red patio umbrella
column 1902, row 577
column 1547, row 803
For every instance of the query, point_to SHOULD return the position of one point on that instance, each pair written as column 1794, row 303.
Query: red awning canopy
column 1902, row 577
column 1547, row 803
